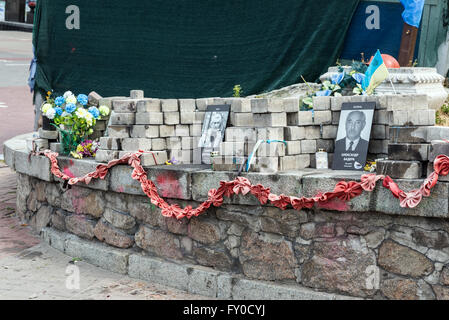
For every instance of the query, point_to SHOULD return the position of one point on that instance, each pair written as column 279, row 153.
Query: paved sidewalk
column 30, row 269
column 16, row 107
column 14, row 237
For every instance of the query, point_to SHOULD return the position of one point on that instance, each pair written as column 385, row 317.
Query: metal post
column 408, row 42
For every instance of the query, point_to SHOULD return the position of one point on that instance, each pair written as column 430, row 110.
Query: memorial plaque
column 354, row 130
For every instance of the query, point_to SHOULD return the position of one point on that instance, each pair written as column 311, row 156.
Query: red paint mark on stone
column 120, row 189
column 334, row 204
column 168, row 185
column 71, row 162
column 78, row 202
column 67, row 171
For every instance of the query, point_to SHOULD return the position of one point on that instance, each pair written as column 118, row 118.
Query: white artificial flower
column 104, row 110
column 89, row 119
column 50, row 114
column 71, row 99
column 61, row 126
column 81, row 113
column 46, row 107
column 65, row 114
column 68, row 94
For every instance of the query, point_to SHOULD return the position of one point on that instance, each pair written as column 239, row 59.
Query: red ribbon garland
column 343, row 190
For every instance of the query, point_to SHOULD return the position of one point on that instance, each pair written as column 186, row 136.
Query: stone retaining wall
column 369, row 247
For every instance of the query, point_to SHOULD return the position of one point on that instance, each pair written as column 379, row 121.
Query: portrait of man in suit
column 353, row 142
column 351, row 147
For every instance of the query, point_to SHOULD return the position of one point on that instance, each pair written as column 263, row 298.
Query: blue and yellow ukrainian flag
column 376, row 73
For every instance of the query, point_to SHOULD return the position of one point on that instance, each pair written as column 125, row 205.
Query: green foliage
column 343, row 81
column 359, row 66
column 438, row 119
column 445, row 109
column 237, row 90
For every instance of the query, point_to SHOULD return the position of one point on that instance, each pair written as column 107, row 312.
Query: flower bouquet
column 73, row 118
column 87, row 148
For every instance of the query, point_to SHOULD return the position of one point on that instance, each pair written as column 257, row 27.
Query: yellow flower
column 76, row 155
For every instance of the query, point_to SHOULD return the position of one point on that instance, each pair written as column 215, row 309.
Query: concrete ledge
column 190, row 278
column 192, row 182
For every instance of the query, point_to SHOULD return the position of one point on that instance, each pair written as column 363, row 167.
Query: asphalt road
column 16, row 100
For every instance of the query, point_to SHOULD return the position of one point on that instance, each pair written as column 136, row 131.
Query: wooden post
column 408, row 42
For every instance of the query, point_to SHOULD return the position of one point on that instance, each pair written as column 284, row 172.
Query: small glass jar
column 212, row 155
column 321, row 159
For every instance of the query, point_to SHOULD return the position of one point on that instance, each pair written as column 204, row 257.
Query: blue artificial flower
column 82, row 99
column 94, row 112
column 59, row 101
column 323, row 93
column 70, row 108
column 58, row 111
column 359, row 77
column 337, row 78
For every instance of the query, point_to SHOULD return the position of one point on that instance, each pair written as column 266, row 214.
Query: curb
column 16, row 26
column 190, row 278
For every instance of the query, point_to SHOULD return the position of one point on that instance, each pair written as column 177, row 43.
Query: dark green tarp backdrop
column 186, row 48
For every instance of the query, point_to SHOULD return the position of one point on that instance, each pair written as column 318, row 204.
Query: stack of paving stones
column 410, row 121
column 46, row 139
column 414, row 146
column 171, row 128
column 412, row 151
column 95, row 100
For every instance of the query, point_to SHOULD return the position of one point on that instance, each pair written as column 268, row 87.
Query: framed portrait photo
column 214, row 126
column 353, row 135
column 213, row 130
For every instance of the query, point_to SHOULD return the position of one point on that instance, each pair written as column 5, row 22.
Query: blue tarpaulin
column 413, row 11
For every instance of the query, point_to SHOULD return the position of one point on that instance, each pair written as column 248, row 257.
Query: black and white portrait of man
column 214, row 126
column 351, row 145
column 355, row 123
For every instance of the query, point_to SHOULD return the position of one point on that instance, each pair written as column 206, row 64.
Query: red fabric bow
column 226, row 187
column 215, row 198
column 281, row 201
column 348, row 190
column 300, row 203
column 428, row 184
column 368, row 181
column 242, row 185
column 261, row 193
column 411, row 199
column 441, row 165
